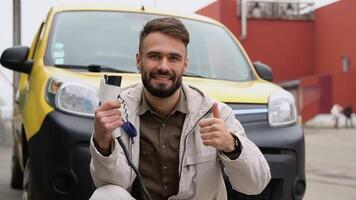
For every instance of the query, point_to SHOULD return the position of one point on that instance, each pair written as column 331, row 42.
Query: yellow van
column 58, row 92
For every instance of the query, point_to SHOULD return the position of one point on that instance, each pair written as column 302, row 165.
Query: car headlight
column 281, row 109
column 72, row 97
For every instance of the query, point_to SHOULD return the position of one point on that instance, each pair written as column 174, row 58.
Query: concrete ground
column 6, row 192
column 330, row 164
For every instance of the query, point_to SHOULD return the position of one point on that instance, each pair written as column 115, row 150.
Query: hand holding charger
column 110, row 89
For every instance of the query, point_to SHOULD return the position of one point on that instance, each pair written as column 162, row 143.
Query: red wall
column 284, row 45
column 335, row 36
column 316, row 96
column 343, row 89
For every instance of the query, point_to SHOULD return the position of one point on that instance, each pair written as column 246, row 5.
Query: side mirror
column 15, row 58
column 263, row 70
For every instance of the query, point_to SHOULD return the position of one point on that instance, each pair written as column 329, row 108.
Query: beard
column 161, row 90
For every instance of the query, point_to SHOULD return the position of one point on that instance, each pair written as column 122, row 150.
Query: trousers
column 110, row 192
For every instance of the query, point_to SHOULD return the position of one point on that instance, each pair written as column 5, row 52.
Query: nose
column 164, row 64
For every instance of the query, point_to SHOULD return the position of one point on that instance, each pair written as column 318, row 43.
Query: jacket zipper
column 186, row 137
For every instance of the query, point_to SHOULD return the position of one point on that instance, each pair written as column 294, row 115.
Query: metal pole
column 16, row 22
column 16, row 11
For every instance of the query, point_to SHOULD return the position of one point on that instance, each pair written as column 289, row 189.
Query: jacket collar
column 181, row 105
column 198, row 103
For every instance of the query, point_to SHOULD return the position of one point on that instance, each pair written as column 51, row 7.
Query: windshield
column 112, row 38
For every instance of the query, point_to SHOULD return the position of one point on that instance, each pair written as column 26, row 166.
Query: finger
column 112, row 112
column 108, row 105
column 208, row 129
column 102, row 114
column 206, row 122
column 209, row 136
column 113, row 125
column 209, row 142
column 215, row 109
column 111, row 119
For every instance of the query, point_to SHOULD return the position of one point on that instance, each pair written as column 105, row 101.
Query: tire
column 16, row 171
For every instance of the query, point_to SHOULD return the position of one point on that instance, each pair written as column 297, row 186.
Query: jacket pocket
column 201, row 158
column 201, row 173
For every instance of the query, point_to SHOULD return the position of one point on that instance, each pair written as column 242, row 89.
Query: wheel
column 16, row 171
column 27, row 191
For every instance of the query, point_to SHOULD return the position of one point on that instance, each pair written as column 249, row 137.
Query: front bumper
column 284, row 150
column 60, row 157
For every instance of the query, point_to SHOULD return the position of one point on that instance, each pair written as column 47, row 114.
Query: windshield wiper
column 92, row 68
column 190, row 74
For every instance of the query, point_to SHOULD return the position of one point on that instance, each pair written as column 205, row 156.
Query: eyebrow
column 170, row 54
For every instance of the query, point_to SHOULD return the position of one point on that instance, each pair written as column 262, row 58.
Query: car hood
column 254, row 91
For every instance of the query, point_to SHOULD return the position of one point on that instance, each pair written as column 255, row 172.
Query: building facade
column 311, row 52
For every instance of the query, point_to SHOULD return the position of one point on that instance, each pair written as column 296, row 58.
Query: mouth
column 162, row 78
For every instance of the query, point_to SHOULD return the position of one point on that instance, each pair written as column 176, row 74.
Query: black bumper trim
column 60, row 157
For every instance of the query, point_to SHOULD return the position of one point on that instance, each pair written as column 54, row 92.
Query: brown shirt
column 159, row 148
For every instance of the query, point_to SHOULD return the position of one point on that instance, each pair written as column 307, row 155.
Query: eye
column 174, row 58
column 154, row 56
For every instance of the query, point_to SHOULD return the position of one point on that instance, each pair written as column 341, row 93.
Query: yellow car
column 58, row 92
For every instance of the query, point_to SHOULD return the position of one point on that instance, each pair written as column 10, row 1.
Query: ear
column 186, row 65
column 138, row 61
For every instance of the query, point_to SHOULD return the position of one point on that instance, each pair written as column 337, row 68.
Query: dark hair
column 169, row 26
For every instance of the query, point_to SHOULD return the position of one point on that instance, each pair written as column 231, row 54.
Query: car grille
column 250, row 113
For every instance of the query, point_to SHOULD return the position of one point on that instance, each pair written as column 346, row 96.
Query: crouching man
column 182, row 133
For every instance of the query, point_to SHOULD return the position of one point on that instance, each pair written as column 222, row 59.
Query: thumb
column 215, row 109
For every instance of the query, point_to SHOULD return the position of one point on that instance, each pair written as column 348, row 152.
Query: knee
column 109, row 192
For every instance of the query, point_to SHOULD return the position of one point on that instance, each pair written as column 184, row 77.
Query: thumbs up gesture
column 214, row 132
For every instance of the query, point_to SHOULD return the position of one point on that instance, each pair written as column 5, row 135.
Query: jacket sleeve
column 250, row 172
column 112, row 169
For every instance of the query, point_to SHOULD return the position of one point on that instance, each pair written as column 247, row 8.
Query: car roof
column 115, row 8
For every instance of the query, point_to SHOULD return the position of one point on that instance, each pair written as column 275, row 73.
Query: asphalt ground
column 330, row 165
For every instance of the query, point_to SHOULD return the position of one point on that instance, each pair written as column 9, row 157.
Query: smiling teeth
column 162, row 78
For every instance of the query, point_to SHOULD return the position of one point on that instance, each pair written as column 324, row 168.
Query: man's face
column 162, row 62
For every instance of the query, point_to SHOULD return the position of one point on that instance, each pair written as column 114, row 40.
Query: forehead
column 163, row 43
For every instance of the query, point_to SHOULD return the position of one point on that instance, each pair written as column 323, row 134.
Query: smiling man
column 183, row 134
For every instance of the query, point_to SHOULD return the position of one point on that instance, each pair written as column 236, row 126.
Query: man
column 182, row 133
column 347, row 111
column 336, row 112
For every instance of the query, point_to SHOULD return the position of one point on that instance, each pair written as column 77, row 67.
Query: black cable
column 140, row 182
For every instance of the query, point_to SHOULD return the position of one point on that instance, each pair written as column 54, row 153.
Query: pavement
column 6, row 192
column 330, row 164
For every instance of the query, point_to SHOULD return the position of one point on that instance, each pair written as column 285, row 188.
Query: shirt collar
column 181, row 106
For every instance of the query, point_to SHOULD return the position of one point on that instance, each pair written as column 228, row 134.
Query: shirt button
column 164, row 167
column 165, row 187
column 163, row 125
column 163, row 146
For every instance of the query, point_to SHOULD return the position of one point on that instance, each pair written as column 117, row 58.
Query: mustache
column 161, row 72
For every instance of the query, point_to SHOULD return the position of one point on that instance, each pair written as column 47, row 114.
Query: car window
column 111, row 39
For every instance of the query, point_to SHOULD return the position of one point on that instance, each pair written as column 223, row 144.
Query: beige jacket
column 200, row 174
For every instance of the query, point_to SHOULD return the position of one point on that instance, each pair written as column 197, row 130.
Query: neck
column 163, row 106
